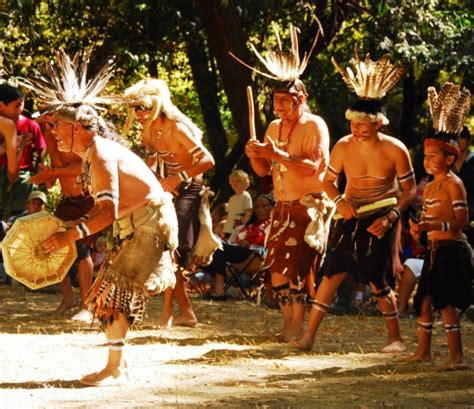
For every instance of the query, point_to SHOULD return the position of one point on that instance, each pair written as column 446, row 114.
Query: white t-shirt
column 236, row 208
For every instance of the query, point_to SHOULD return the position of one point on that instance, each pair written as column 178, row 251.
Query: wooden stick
column 391, row 201
column 253, row 134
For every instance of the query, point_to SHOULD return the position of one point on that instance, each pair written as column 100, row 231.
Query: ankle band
column 452, row 328
column 425, row 326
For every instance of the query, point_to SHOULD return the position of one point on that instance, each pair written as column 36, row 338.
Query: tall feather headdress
column 285, row 67
column 448, row 111
column 64, row 83
column 370, row 80
column 449, row 108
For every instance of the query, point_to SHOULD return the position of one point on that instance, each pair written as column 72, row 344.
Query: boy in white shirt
column 240, row 206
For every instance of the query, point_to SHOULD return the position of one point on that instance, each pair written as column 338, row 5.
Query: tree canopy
column 187, row 43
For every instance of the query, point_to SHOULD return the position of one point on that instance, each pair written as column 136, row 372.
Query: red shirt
column 26, row 125
column 253, row 233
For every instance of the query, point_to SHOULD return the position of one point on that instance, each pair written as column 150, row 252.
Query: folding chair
column 251, row 266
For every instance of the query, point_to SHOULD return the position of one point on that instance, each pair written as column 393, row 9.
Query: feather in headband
column 284, row 67
column 370, row 79
column 65, row 83
column 449, row 108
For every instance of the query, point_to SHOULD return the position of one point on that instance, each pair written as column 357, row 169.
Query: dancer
column 372, row 163
column 66, row 167
column 127, row 194
column 295, row 151
column 173, row 143
column 445, row 281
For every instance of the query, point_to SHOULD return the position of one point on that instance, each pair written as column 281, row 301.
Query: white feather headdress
column 282, row 66
column 449, row 108
column 370, row 79
column 64, row 83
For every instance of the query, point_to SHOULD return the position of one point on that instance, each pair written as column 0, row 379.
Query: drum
column 23, row 254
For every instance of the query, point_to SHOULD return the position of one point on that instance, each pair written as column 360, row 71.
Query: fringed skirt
column 140, row 263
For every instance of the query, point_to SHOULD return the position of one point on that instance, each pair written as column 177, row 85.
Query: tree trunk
column 224, row 33
column 205, row 82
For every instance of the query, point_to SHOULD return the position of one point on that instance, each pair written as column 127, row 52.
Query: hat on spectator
column 37, row 194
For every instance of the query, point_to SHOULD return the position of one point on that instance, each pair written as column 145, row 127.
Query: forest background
column 187, row 43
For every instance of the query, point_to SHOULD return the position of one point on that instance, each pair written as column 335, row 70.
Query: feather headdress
column 448, row 111
column 64, row 83
column 449, row 108
column 285, row 67
column 370, row 80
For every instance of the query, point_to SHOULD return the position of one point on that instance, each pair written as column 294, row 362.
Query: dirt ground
column 225, row 361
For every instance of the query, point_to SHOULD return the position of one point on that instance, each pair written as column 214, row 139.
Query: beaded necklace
column 84, row 179
column 280, row 167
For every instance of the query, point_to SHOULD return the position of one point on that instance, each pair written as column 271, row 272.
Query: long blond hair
column 154, row 94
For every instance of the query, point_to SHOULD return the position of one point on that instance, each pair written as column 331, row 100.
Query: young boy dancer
column 447, row 272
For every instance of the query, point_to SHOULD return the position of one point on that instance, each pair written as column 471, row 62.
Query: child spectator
column 100, row 253
column 240, row 207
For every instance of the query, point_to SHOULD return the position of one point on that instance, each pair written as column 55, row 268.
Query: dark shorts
column 231, row 253
column 187, row 205
column 353, row 250
column 446, row 276
column 72, row 208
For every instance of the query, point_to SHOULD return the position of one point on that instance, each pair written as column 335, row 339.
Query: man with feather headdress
column 377, row 166
column 126, row 194
column 295, row 151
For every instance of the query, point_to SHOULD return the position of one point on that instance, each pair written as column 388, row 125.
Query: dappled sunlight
column 226, row 360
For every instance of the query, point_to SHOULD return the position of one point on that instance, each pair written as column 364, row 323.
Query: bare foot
column 453, row 366
column 83, row 316
column 185, row 320
column 415, row 358
column 164, row 322
column 64, row 306
column 394, row 347
column 106, row 377
column 303, row 344
column 276, row 336
column 293, row 335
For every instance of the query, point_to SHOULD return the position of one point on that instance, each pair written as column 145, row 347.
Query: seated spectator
column 35, row 203
column 100, row 253
column 247, row 239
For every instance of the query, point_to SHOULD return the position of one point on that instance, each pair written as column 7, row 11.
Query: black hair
column 369, row 106
column 293, row 87
column 9, row 93
column 448, row 138
column 465, row 134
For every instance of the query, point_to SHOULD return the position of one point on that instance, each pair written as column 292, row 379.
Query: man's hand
column 44, row 175
column 57, row 241
column 380, row 226
column 255, row 149
column 346, row 209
